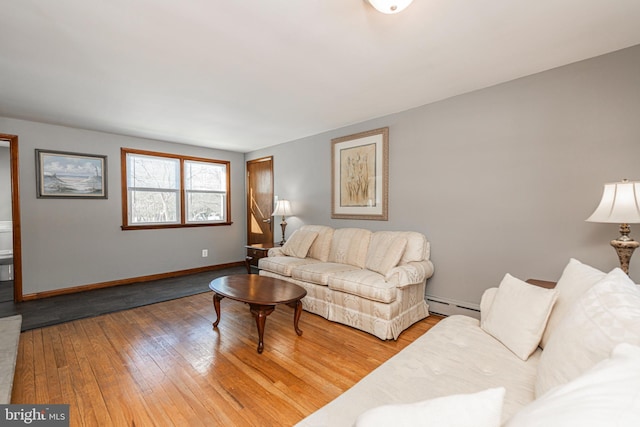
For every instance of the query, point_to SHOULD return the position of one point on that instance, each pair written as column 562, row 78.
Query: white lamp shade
column 283, row 207
column 620, row 204
column 390, row 6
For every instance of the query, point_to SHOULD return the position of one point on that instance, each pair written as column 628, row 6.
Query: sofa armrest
column 410, row 273
column 275, row 252
column 487, row 301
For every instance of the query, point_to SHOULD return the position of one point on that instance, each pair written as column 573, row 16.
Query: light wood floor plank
column 164, row 365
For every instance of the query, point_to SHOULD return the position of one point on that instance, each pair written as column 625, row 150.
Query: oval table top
column 256, row 289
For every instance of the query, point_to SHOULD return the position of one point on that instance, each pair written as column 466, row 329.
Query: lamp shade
column 283, row 207
column 390, row 6
column 620, row 204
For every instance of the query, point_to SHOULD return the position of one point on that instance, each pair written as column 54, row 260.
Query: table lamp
column 283, row 207
column 620, row 204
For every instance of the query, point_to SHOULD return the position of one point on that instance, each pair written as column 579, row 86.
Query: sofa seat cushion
column 482, row 409
column 364, row 283
column 283, row 264
column 319, row 273
column 455, row 356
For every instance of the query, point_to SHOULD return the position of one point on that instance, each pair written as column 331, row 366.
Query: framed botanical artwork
column 62, row 174
column 360, row 175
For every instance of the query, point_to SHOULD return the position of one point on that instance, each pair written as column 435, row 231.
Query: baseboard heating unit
column 448, row 307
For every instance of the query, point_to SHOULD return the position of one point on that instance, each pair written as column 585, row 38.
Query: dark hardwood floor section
column 6, row 290
column 63, row 308
column 164, row 365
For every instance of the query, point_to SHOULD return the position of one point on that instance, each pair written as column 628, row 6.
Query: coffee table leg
column 260, row 312
column 296, row 315
column 216, row 305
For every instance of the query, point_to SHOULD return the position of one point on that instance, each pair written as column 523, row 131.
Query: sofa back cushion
column 606, row 315
column 605, row 395
column 576, row 279
column 385, row 251
column 349, row 246
column 321, row 245
column 417, row 249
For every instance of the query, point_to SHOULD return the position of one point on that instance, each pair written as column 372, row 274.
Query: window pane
column 158, row 184
column 206, row 207
column 153, row 207
column 205, row 176
column 153, row 172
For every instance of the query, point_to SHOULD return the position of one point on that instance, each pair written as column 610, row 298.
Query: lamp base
column 283, row 225
column 624, row 249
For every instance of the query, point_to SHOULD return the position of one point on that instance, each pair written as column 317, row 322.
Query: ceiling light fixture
column 390, row 6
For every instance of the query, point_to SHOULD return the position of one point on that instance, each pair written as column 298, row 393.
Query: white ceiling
column 246, row 74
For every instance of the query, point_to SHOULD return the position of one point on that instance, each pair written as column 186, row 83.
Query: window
column 168, row 190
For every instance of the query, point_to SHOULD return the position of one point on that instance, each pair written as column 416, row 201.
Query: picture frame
column 62, row 174
column 360, row 176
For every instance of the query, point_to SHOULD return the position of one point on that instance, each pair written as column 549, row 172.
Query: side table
column 255, row 252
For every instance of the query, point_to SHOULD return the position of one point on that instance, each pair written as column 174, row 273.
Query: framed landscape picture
column 71, row 175
column 360, row 175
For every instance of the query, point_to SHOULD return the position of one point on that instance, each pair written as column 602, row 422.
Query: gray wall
column 500, row 180
column 68, row 243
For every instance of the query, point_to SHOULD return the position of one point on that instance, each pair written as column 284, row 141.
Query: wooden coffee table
column 262, row 294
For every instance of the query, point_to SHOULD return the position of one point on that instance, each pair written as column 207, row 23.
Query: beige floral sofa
column 373, row 281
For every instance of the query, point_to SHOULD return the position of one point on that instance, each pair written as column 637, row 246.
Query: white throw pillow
column 606, row 395
column 518, row 315
column 299, row 243
column 384, row 252
column 576, row 279
column 606, row 315
column 483, row 409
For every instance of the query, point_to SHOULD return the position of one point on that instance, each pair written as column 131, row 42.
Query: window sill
column 161, row 226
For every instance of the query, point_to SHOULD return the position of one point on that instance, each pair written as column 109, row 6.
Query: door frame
column 15, row 215
column 247, row 196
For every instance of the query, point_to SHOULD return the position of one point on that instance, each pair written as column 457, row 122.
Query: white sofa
column 583, row 368
column 371, row 281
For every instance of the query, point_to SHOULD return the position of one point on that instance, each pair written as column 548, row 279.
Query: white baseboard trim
column 449, row 307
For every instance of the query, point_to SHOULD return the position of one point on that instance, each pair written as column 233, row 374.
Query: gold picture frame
column 360, row 176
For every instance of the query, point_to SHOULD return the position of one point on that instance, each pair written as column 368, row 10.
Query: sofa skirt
column 384, row 320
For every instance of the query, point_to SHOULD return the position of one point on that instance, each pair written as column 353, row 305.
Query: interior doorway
column 11, row 265
column 260, row 200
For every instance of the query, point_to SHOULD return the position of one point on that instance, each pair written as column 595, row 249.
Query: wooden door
column 260, row 200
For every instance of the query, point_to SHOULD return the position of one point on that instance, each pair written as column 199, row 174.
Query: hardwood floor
column 164, row 365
